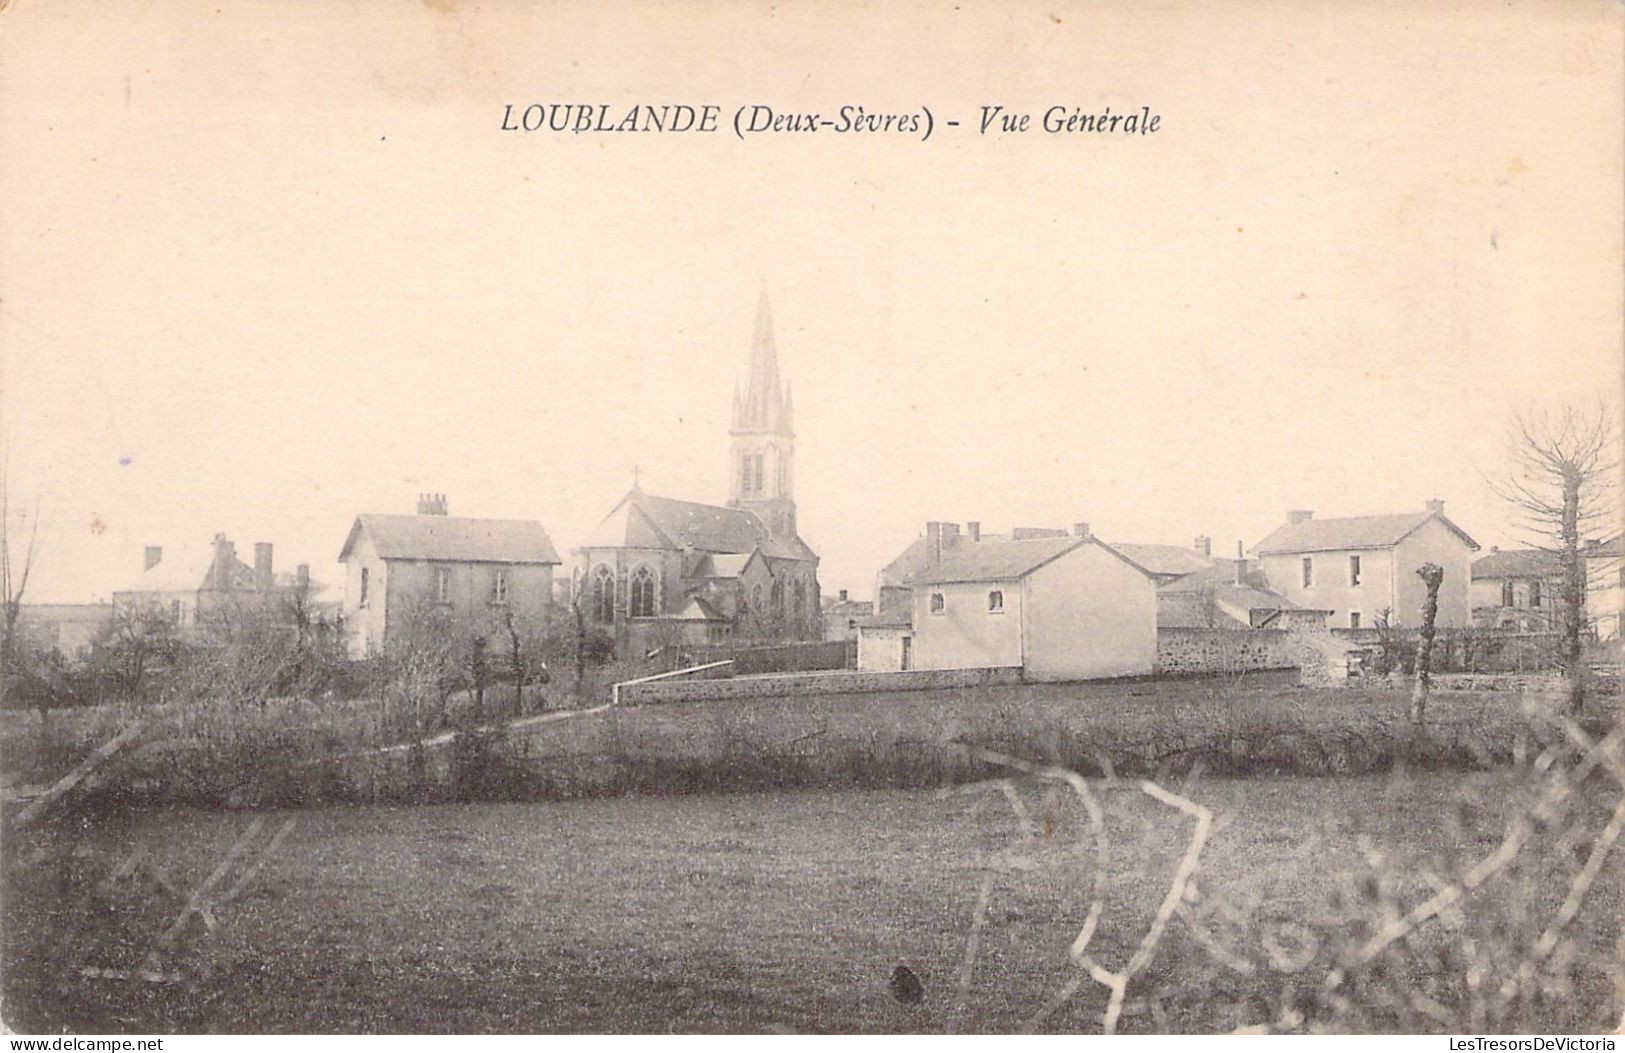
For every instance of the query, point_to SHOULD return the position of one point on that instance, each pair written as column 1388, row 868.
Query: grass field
column 788, row 910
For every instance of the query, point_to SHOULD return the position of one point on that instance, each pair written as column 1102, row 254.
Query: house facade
column 1522, row 589
column 1061, row 607
column 476, row 570
column 1363, row 568
column 190, row 587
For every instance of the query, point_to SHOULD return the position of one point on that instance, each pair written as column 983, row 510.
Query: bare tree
column 1561, row 482
column 1432, row 576
column 16, row 563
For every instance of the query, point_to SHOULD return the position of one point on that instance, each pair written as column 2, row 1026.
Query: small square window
column 1354, row 619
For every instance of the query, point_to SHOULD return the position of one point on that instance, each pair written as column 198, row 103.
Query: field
column 789, row 910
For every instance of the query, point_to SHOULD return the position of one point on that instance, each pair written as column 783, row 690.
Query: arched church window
column 760, row 478
column 603, row 594
column 744, row 474
column 641, row 596
column 778, row 595
column 756, row 600
column 801, row 598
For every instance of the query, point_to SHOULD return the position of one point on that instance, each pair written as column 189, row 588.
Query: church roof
column 453, row 539
column 645, row 521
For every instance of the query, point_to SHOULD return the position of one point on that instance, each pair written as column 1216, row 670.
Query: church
column 659, row 572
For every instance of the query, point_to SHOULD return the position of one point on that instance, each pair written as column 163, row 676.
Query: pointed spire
column 762, row 403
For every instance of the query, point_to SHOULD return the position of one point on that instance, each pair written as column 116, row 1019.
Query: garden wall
column 831, row 683
column 1191, row 651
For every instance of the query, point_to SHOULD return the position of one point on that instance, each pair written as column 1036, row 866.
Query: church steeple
column 763, row 447
column 763, row 405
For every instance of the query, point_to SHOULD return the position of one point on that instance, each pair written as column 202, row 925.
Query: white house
column 1364, row 567
column 474, row 569
column 1065, row 607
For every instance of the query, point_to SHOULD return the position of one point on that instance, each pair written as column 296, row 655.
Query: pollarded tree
column 1562, row 483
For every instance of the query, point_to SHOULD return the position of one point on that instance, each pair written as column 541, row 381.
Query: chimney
column 1204, row 544
column 301, row 574
column 974, row 529
column 1241, row 553
column 225, row 559
column 264, row 578
column 1494, row 549
column 1436, row 507
column 1080, row 530
column 1241, row 570
column 843, row 595
column 153, row 556
column 432, row 504
column 933, row 543
column 1298, row 515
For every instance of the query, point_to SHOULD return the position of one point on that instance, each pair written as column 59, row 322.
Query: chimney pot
column 843, row 595
column 1436, row 507
column 974, row 529
column 1203, row 544
column 225, row 556
column 152, row 557
column 1241, row 552
column 1080, row 530
column 264, row 578
column 301, row 574
column 431, row 504
column 933, row 542
column 1299, row 515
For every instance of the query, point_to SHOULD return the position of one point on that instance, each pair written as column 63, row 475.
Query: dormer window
column 995, row 602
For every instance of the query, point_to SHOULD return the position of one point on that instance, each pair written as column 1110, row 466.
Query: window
column 603, row 595
column 1354, row 570
column 778, row 597
column 760, row 480
column 442, row 584
column 175, row 611
column 363, row 601
column 744, row 474
column 801, row 599
column 499, row 586
column 906, row 657
column 1508, row 599
column 939, row 603
column 642, row 594
column 1354, row 619
column 995, row 602
column 1308, row 572
column 1534, row 594
column 756, row 600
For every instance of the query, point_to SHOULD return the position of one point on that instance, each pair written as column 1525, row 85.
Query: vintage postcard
column 836, row 517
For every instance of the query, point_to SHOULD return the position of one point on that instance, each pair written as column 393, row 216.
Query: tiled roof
column 1517, row 563
column 453, row 539
column 644, row 521
column 1166, row 559
column 1610, row 549
column 1188, row 610
column 1326, row 535
column 999, row 561
column 187, row 571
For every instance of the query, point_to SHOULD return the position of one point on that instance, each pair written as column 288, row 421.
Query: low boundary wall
column 669, row 688
column 1191, row 651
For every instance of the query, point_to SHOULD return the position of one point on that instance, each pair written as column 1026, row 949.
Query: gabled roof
column 644, row 521
column 1355, row 532
column 1517, row 563
column 697, row 610
column 1613, row 548
column 188, row 571
column 453, row 539
column 1166, row 559
column 999, row 561
column 1189, row 610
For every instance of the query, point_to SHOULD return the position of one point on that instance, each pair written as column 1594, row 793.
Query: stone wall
column 833, row 683
column 1190, row 651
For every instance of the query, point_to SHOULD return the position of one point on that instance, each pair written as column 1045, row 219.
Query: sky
column 265, row 268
